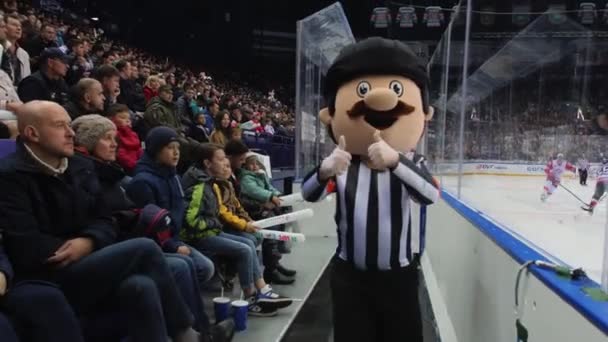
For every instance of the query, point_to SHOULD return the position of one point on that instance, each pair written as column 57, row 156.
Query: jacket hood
column 195, row 175
column 149, row 165
column 244, row 172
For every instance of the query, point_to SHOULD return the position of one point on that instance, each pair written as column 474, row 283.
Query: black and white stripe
column 373, row 211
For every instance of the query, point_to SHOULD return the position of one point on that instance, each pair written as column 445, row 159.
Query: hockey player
column 554, row 170
column 600, row 186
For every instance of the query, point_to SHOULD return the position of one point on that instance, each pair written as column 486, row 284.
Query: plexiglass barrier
column 320, row 37
column 521, row 111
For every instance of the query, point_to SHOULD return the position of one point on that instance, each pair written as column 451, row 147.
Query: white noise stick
column 283, row 219
column 289, row 200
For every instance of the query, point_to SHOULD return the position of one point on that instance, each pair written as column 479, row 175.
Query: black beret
column 375, row 56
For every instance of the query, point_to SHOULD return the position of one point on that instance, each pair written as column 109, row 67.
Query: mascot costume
column 376, row 93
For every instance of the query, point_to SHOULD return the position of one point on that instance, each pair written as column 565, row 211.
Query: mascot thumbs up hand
column 337, row 163
column 381, row 155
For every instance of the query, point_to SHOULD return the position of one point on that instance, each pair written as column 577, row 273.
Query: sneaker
column 543, row 197
column 259, row 309
column 267, row 295
column 588, row 208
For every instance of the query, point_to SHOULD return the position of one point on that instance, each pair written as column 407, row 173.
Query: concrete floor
column 309, row 259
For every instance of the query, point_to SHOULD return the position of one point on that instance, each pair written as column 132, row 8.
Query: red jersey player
column 554, row 170
column 600, row 186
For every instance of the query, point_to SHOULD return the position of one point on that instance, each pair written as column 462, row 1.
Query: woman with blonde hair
column 151, row 87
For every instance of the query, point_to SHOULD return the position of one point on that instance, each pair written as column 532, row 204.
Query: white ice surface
column 557, row 226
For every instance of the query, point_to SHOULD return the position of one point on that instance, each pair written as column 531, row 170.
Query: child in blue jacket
column 156, row 182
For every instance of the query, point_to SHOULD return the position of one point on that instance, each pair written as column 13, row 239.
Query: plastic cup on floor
column 240, row 309
column 221, row 306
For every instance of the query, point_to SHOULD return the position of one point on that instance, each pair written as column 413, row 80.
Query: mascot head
column 376, row 84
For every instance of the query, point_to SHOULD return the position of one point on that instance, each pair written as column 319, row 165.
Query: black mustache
column 360, row 109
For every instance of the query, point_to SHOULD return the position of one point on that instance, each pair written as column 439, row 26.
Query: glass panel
column 535, row 98
column 446, row 72
column 320, row 37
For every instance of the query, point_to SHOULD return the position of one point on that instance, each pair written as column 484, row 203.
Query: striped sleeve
column 313, row 189
column 417, row 180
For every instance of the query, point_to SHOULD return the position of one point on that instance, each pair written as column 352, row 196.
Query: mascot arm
column 417, row 179
column 313, row 189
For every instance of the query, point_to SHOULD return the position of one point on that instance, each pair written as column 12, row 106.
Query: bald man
column 86, row 97
column 57, row 228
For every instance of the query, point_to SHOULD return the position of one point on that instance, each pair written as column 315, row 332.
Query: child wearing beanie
column 155, row 181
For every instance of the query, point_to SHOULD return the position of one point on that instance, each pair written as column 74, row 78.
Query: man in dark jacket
column 48, row 83
column 162, row 111
column 129, row 94
column 109, row 77
column 86, row 97
column 46, row 39
column 184, row 107
column 57, row 228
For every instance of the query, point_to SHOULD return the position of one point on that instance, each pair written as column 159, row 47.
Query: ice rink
column 559, row 227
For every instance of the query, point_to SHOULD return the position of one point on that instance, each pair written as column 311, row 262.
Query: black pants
column 375, row 306
column 582, row 174
column 40, row 312
column 270, row 248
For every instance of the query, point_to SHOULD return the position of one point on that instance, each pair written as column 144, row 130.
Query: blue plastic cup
column 221, row 305
column 240, row 309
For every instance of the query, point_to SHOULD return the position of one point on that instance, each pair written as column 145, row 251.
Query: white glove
column 381, row 155
column 337, row 163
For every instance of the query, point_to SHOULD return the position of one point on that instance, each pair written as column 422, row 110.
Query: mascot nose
column 382, row 99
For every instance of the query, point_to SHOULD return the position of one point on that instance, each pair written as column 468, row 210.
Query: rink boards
column 497, row 168
column 476, row 244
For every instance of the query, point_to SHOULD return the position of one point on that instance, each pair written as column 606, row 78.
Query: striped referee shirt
column 373, row 211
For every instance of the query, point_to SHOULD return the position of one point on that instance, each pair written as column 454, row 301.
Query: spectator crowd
column 530, row 120
column 130, row 192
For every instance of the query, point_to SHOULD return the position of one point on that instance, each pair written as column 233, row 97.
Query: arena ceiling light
column 95, row 18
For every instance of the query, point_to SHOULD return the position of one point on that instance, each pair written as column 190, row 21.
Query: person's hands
column 381, row 155
column 276, row 201
column 251, row 227
column 337, row 162
column 3, row 284
column 183, row 250
column 71, row 251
